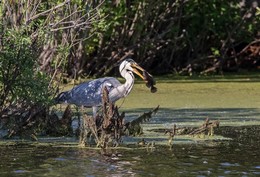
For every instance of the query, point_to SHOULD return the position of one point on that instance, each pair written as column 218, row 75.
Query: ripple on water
column 257, row 167
column 227, row 164
column 60, row 159
column 20, row 171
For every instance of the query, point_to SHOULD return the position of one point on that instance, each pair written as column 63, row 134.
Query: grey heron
column 89, row 94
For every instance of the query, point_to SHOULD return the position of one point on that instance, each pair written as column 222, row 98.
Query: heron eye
column 128, row 70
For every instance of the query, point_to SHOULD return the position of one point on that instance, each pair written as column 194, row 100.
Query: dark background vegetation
column 42, row 42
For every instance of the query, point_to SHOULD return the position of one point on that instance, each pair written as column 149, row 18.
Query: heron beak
column 136, row 69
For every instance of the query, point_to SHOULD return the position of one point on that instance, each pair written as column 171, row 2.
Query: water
column 207, row 159
column 195, row 116
column 212, row 157
column 186, row 104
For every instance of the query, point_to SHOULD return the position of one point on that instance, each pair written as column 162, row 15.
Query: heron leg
column 95, row 110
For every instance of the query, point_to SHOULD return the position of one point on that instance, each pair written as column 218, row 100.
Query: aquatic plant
column 108, row 128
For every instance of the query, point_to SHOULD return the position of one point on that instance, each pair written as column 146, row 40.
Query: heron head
column 129, row 65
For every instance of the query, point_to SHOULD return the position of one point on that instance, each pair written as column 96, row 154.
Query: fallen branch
column 207, row 127
column 248, row 46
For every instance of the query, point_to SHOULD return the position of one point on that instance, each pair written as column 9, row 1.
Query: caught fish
column 150, row 82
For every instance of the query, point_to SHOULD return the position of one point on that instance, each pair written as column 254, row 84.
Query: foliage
column 38, row 40
column 21, row 82
column 169, row 36
column 92, row 37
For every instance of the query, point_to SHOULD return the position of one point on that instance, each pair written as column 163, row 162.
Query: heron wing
column 89, row 93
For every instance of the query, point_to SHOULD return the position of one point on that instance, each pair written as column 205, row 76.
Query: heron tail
column 61, row 98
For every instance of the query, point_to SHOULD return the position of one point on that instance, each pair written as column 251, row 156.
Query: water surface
column 235, row 104
column 197, row 159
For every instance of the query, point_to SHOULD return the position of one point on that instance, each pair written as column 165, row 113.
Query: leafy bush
column 167, row 36
column 21, row 84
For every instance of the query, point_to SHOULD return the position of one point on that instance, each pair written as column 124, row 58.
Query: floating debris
column 206, row 128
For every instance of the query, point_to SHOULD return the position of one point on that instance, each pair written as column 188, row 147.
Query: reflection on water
column 210, row 159
column 31, row 160
column 239, row 157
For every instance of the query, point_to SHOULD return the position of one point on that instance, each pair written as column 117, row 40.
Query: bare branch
column 47, row 11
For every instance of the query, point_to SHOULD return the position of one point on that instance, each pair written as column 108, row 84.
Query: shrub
column 21, row 83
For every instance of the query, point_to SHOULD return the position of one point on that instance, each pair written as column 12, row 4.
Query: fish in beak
column 148, row 78
column 136, row 69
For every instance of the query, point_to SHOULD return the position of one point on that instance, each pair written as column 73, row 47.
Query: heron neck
column 129, row 83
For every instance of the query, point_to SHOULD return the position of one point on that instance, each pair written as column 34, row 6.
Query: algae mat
column 234, row 101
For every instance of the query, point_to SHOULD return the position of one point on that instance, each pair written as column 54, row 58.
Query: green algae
column 232, row 151
column 234, row 100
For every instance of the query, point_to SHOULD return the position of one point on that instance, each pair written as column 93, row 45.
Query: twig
column 47, row 11
column 251, row 43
